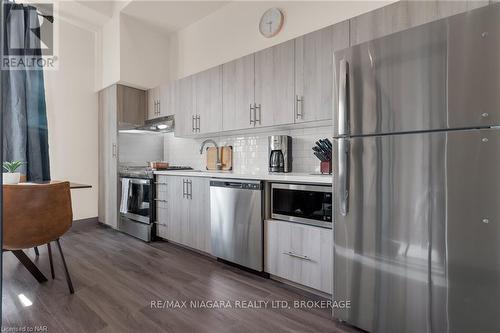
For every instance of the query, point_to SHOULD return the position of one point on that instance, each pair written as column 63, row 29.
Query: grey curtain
column 25, row 136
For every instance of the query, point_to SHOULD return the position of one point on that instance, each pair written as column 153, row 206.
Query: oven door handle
column 139, row 181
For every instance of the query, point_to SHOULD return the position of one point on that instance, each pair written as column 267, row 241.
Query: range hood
column 159, row 125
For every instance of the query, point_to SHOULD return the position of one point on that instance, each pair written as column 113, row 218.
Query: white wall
column 131, row 53
column 108, row 53
column 72, row 117
column 232, row 31
column 143, row 54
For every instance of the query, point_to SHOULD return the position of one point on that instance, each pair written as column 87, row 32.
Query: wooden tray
column 226, row 158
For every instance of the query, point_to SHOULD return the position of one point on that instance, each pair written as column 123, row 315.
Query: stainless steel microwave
column 307, row 204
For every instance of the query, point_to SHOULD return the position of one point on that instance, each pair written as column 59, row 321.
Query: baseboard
column 87, row 220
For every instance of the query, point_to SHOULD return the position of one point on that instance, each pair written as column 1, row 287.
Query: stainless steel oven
column 136, row 207
column 307, row 204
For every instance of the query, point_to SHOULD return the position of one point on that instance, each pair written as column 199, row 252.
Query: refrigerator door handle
column 343, row 107
column 343, row 171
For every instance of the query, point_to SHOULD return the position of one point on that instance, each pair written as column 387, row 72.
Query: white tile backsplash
column 249, row 150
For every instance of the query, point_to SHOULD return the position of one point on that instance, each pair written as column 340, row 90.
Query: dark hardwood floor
column 116, row 277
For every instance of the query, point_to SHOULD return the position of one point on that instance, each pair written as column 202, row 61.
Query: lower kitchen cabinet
column 183, row 211
column 300, row 253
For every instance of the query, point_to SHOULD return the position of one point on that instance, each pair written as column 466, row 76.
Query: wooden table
column 22, row 257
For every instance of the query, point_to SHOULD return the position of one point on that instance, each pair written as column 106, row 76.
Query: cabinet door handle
column 192, row 123
column 114, row 150
column 260, row 114
column 160, row 200
column 299, row 100
column 252, row 110
column 156, row 183
column 159, row 107
column 183, row 188
column 295, row 255
column 198, row 123
column 190, row 189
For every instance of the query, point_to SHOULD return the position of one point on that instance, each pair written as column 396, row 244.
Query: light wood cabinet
column 153, row 97
column 300, row 253
column 108, row 157
column 238, row 93
column 403, row 15
column 183, row 211
column 131, row 107
column 169, row 98
column 274, row 85
column 208, row 100
column 185, row 113
column 314, row 71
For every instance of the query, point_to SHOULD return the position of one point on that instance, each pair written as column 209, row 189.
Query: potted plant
column 11, row 176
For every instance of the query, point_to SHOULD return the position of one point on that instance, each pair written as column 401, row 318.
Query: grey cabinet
column 183, row 211
column 199, row 110
column 185, row 112
column 274, row 85
column 238, row 93
column 300, row 253
column 169, row 97
column 402, row 15
column 131, row 107
column 314, row 71
column 108, row 157
column 208, row 100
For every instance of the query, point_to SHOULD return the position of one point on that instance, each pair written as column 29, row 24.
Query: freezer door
column 417, row 246
column 439, row 75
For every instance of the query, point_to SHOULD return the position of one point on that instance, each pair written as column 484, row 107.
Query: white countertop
column 292, row 177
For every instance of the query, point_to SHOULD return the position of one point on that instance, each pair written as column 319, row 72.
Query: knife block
column 326, row 167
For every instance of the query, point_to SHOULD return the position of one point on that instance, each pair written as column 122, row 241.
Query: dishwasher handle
column 253, row 185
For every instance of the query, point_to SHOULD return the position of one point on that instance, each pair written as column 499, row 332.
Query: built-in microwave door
column 306, row 204
column 136, row 199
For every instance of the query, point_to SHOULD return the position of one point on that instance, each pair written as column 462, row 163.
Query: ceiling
column 169, row 16
column 165, row 15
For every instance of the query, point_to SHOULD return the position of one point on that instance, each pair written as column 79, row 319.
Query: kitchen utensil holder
column 325, row 167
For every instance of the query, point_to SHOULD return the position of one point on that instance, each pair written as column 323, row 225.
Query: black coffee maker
column 280, row 153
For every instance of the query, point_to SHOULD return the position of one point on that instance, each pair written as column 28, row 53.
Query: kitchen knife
column 324, row 149
column 329, row 143
column 320, row 157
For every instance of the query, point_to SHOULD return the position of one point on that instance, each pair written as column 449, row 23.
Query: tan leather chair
column 37, row 214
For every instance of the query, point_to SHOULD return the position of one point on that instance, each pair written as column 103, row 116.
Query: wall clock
column 271, row 22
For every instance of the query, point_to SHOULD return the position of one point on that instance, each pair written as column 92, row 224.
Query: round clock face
column 271, row 22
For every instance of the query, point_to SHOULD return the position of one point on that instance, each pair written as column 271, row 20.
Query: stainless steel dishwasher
column 236, row 222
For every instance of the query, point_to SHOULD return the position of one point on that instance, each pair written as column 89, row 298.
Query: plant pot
column 11, row 177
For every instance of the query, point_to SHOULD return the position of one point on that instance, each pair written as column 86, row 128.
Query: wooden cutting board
column 226, row 158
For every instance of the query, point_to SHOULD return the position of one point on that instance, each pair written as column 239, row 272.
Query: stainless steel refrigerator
column 417, row 181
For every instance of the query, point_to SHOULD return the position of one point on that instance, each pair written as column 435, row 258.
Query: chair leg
column 36, row 251
column 49, row 249
column 68, row 278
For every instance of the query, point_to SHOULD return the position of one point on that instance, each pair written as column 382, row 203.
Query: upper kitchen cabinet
column 208, row 100
column 169, row 97
column 274, row 85
column 131, row 106
column 238, row 93
column 314, row 71
column 185, row 112
column 153, row 102
column 403, row 15
column 162, row 100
